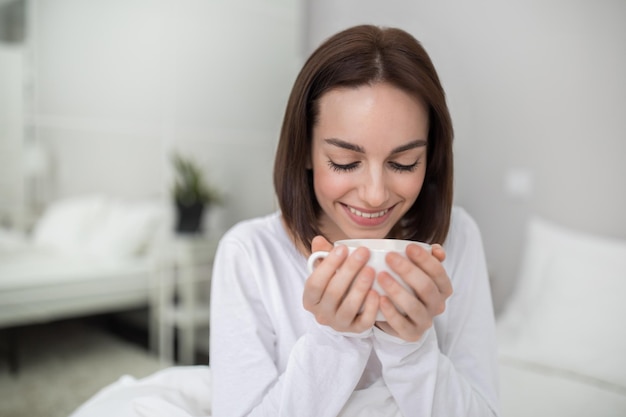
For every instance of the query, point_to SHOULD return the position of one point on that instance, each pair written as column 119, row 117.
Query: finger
column 438, row 252
column 316, row 284
column 337, row 288
column 431, row 265
column 424, row 286
column 405, row 303
column 404, row 327
column 366, row 319
column 320, row 243
column 359, row 321
column 355, row 297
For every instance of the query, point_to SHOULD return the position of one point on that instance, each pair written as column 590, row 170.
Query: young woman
column 365, row 151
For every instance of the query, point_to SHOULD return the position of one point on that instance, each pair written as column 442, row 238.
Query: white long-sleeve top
column 269, row 357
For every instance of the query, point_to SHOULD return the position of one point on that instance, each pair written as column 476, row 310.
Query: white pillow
column 541, row 239
column 101, row 226
column 577, row 322
column 568, row 308
column 67, row 224
column 127, row 230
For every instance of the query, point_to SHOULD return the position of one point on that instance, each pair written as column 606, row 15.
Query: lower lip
column 368, row 222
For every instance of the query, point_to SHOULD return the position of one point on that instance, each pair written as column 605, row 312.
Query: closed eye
column 404, row 168
column 343, row 167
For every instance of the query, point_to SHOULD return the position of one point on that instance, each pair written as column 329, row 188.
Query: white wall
column 534, row 87
column 122, row 83
column 11, row 132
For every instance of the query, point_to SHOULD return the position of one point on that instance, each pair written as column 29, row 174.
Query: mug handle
column 314, row 257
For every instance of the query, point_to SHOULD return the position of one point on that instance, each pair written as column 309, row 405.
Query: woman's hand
column 339, row 286
column 424, row 273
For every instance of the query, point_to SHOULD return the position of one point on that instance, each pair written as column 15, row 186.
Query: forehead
column 380, row 111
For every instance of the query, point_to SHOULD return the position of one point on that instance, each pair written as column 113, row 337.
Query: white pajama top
column 269, row 357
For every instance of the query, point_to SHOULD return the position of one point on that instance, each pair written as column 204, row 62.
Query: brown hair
column 357, row 56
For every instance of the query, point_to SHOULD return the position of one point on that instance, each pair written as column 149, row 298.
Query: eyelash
column 342, row 168
column 404, row 168
column 352, row 166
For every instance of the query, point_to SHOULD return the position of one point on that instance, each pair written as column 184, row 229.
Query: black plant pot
column 189, row 217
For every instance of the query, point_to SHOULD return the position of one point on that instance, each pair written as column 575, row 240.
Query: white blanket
column 172, row 392
column 185, row 391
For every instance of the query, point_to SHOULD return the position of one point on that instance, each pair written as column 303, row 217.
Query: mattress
column 39, row 284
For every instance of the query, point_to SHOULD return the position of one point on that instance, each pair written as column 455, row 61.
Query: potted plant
column 192, row 194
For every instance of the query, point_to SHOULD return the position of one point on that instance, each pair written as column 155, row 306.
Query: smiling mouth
column 373, row 215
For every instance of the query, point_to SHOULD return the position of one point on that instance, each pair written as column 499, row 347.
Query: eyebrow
column 356, row 148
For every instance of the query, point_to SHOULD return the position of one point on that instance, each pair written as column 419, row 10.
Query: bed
column 86, row 255
column 562, row 343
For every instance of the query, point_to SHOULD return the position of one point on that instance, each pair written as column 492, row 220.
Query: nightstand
column 184, row 296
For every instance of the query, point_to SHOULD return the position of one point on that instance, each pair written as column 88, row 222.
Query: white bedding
column 531, row 390
column 40, row 284
column 183, row 391
column 86, row 255
column 562, row 343
column 35, row 266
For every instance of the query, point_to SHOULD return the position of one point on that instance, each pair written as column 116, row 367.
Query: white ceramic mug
column 379, row 248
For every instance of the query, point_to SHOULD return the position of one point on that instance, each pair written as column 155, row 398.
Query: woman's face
column 368, row 159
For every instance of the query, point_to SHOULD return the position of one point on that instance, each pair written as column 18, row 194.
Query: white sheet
column 529, row 390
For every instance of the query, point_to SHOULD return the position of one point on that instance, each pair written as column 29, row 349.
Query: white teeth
column 368, row 215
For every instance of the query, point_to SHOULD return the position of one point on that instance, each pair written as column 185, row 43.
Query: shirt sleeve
column 452, row 370
column 246, row 378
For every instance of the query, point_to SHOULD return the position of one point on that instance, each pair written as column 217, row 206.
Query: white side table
column 184, row 296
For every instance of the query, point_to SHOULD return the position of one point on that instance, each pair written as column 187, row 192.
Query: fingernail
column 361, row 254
column 339, row 250
column 394, row 259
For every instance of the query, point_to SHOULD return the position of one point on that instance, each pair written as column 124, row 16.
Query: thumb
column 320, row 243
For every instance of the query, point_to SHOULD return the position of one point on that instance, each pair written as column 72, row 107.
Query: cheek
column 326, row 185
column 410, row 188
column 331, row 186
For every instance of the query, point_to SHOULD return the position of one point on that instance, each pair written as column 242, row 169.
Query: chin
column 368, row 234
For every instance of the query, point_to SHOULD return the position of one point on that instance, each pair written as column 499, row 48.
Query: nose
column 374, row 190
